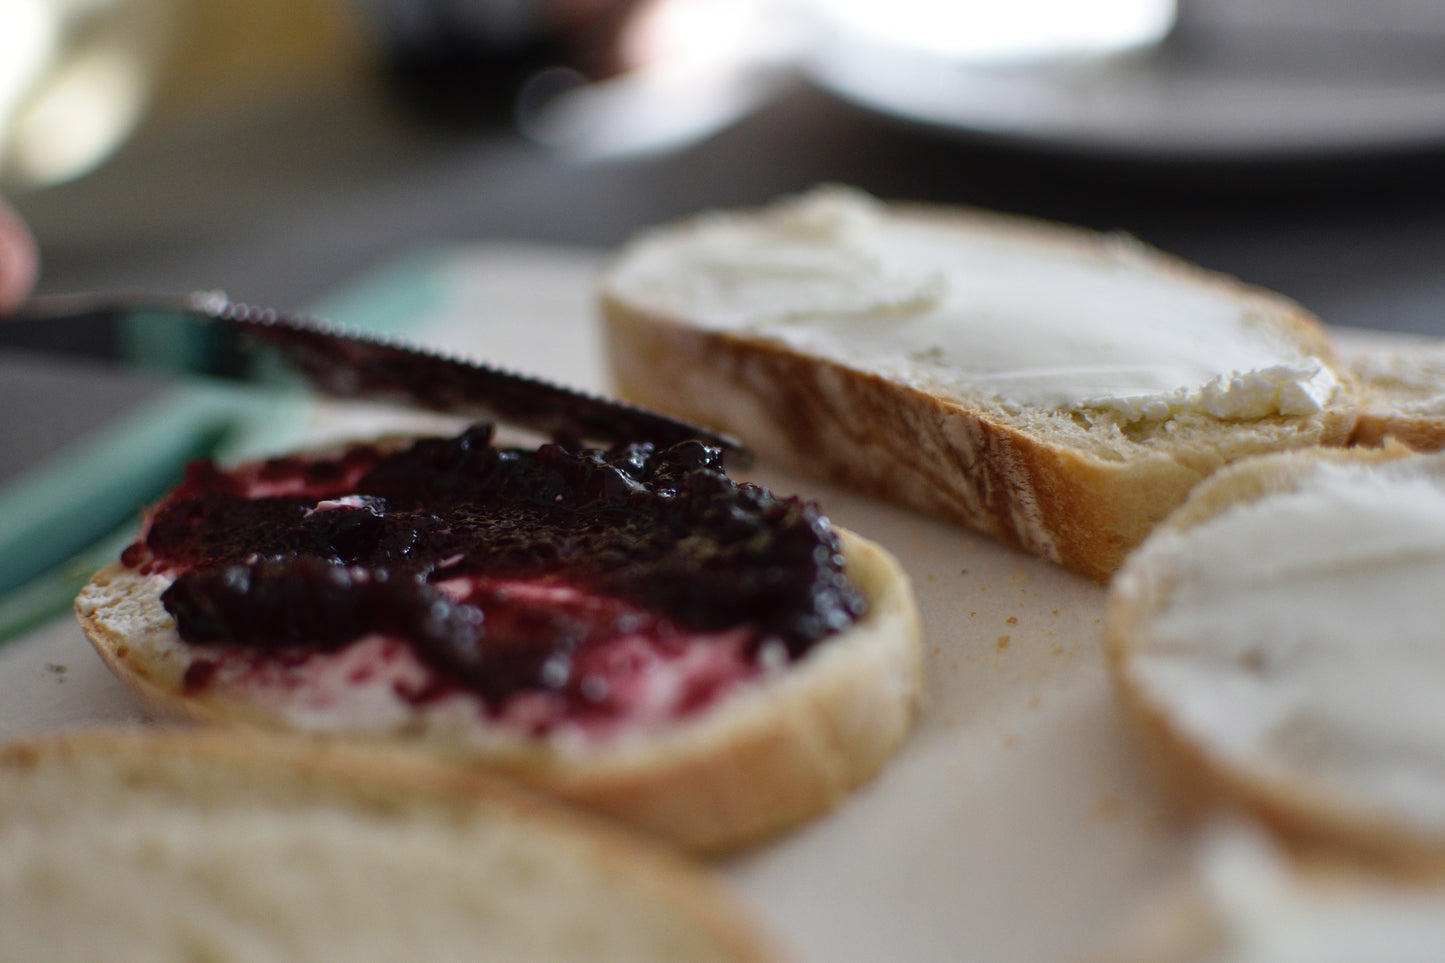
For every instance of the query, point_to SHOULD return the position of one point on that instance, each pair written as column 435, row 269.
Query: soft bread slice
column 1245, row 899
column 1058, row 389
column 763, row 759
column 1402, row 380
column 1279, row 638
column 192, row 845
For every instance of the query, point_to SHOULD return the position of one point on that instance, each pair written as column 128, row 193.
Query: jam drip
column 312, row 554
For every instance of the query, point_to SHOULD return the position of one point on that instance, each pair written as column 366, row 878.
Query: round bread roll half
column 1403, row 381
column 171, row 846
column 1281, row 636
column 781, row 745
column 1244, row 899
column 1058, row 389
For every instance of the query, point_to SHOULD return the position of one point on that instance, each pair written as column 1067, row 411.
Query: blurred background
column 279, row 148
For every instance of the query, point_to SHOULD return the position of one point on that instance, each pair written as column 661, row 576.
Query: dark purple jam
column 430, row 544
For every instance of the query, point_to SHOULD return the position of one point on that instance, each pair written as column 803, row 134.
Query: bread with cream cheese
column 776, row 750
column 1058, row 389
column 1402, row 383
column 155, row 846
column 1244, row 898
column 1278, row 638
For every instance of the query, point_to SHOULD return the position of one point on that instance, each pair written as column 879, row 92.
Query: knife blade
column 207, row 334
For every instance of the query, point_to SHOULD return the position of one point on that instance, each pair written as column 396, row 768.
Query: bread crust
column 1418, row 432
column 1028, row 485
column 1305, row 812
column 762, row 760
column 57, row 780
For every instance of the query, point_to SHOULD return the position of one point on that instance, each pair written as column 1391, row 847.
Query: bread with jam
column 630, row 630
column 151, row 846
column 1059, row 389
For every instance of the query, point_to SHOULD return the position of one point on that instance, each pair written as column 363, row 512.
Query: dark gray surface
column 48, row 405
column 284, row 207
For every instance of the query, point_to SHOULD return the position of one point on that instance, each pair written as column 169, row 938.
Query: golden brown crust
column 764, row 760
column 1418, row 432
column 939, row 456
column 210, row 768
column 1044, row 490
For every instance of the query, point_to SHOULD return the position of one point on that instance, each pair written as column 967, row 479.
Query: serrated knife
column 207, row 334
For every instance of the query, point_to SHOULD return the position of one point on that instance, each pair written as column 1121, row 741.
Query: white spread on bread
column 361, row 687
column 1263, row 909
column 973, row 313
column 1298, row 637
column 1412, row 377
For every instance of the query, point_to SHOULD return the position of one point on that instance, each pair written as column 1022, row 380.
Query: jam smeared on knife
column 505, row 571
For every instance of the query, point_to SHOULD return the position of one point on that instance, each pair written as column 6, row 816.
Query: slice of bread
column 1279, row 639
column 131, row 846
column 778, row 748
column 1058, row 389
column 1402, row 381
column 1242, row 897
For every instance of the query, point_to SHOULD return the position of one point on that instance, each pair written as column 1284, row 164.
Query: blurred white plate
column 1236, row 79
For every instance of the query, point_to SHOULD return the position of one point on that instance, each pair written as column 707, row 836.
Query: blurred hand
column 19, row 258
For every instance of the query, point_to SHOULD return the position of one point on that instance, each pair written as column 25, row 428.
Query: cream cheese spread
column 1262, row 909
column 973, row 313
column 1411, row 378
column 1299, row 638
